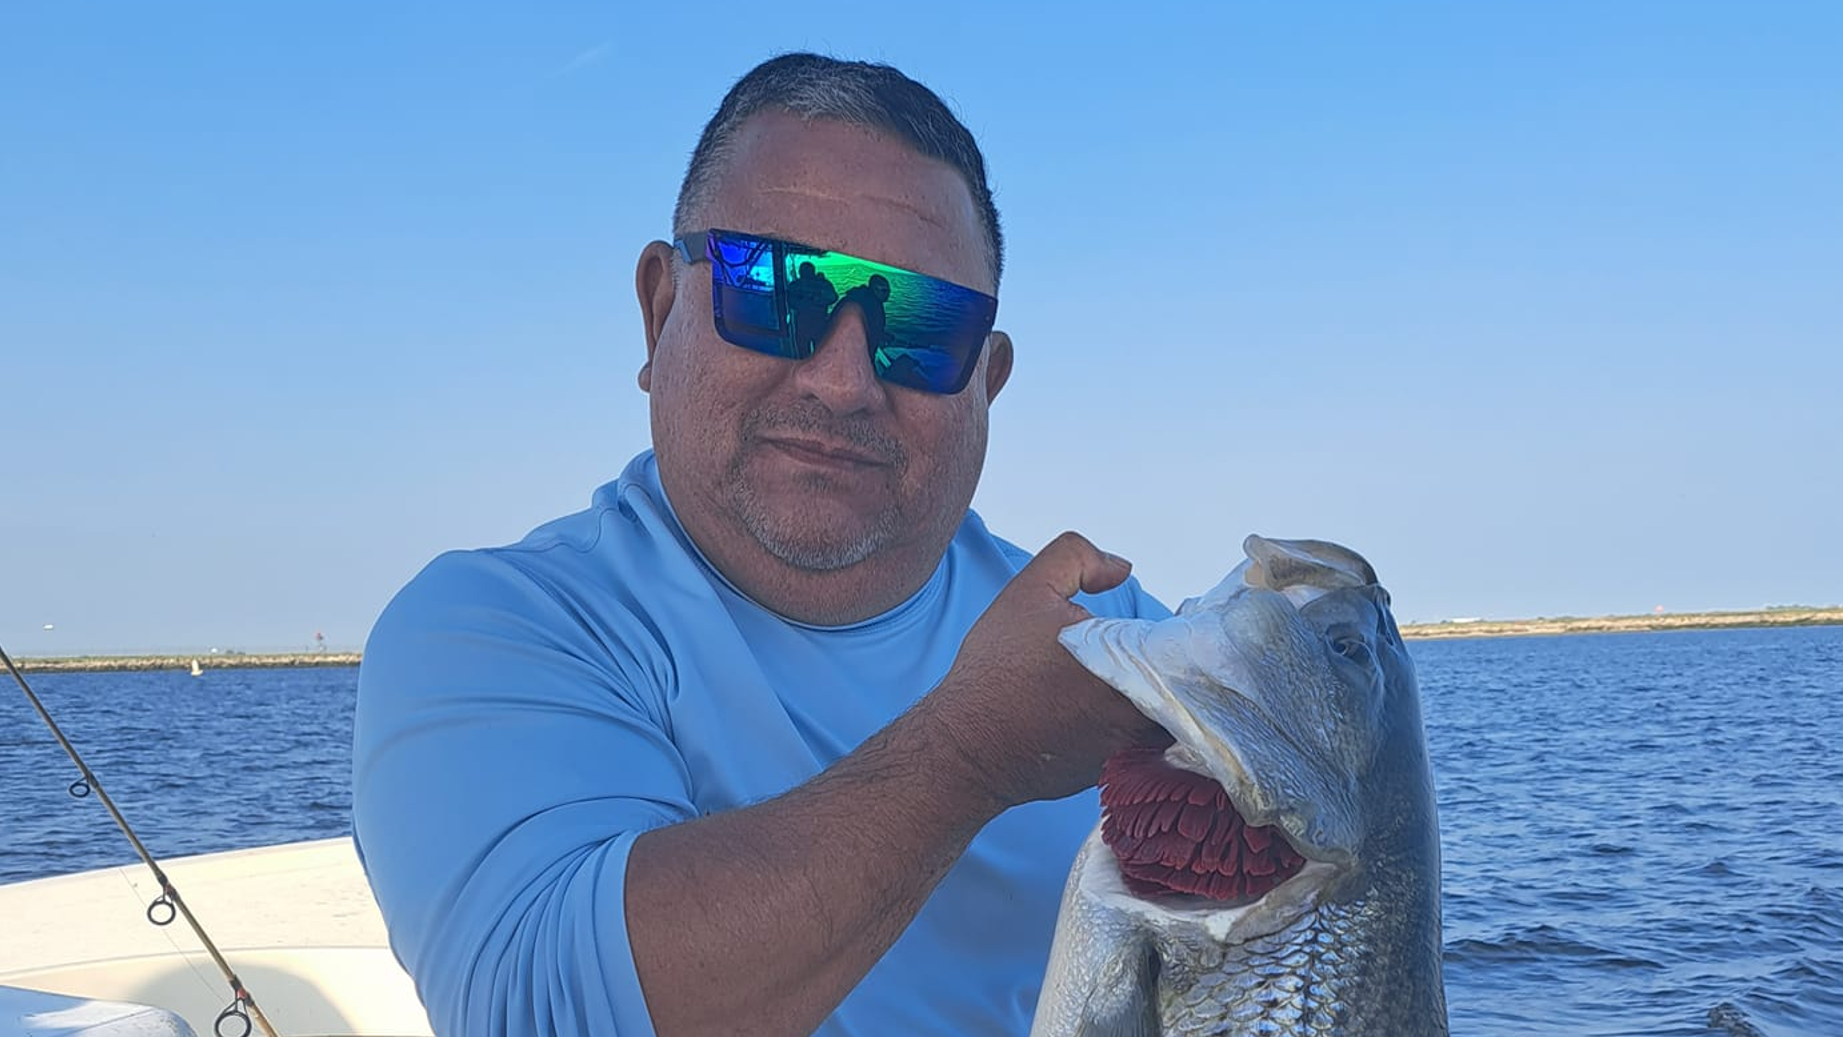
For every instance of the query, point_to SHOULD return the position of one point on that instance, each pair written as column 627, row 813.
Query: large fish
column 1276, row 871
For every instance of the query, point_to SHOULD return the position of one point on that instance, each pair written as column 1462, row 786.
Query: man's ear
column 997, row 365
column 657, row 289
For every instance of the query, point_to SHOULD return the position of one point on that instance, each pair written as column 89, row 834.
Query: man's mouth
column 824, row 452
column 1176, row 832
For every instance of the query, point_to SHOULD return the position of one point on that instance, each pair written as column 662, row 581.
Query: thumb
column 1072, row 563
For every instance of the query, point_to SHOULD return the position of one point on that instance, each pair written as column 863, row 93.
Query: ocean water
column 1637, row 828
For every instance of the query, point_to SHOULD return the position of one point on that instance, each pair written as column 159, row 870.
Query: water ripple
column 1639, row 828
column 234, row 758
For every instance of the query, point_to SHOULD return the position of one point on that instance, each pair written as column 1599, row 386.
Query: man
column 736, row 750
column 809, row 303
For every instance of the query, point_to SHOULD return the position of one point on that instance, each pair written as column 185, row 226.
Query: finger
column 1112, row 573
column 1072, row 563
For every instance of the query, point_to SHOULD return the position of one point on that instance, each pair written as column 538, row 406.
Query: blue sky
column 1535, row 304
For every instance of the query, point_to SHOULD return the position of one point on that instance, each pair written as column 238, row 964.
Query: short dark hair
column 862, row 93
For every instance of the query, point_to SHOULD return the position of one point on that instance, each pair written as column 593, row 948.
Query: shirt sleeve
column 508, row 750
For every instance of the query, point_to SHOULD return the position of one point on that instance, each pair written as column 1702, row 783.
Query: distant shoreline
column 221, row 661
column 1798, row 616
column 1448, row 630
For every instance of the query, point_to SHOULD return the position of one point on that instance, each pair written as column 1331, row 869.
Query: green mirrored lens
column 780, row 298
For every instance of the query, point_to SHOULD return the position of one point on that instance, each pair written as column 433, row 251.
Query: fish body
column 1300, row 897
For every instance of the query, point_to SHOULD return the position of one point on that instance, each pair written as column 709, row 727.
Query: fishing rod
column 169, row 904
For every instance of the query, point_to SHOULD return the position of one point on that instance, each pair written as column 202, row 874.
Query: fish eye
column 1353, row 648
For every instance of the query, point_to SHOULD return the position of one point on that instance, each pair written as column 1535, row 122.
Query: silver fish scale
column 1292, row 983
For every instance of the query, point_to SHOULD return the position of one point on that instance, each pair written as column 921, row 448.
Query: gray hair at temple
column 861, row 93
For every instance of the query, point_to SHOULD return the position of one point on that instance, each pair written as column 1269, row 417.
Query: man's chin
column 816, row 535
column 814, row 551
column 811, row 520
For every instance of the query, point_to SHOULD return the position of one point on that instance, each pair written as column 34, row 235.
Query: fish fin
column 1280, row 564
column 1129, row 1006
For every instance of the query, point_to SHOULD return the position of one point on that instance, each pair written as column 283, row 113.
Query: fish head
column 1276, row 869
column 1289, row 685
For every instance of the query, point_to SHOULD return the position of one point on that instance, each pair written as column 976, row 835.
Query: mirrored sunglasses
column 779, row 298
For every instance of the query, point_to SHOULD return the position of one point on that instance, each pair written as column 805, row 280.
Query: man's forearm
column 760, row 920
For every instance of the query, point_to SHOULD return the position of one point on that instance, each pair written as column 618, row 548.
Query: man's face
column 784, row 469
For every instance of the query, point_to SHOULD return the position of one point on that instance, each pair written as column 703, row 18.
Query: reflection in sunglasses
column 780, row 298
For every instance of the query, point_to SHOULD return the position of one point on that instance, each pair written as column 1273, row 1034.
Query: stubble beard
column 803, row 547
column 792, row 535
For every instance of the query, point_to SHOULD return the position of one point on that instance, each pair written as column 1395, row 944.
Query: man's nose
column 838, row 373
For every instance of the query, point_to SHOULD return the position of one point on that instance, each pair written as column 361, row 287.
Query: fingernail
column 1117, row 558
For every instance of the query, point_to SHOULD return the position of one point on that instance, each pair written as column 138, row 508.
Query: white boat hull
column 296, row 922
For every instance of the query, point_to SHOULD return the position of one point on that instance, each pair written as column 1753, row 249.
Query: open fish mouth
column 1259, row 683
column 1174, row 847
column 1275, row 869
column 1175, row 832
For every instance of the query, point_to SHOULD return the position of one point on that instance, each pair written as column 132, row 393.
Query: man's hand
column 1029, row 718
column 793, row 899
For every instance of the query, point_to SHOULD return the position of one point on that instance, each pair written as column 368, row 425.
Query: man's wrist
column 961, row 754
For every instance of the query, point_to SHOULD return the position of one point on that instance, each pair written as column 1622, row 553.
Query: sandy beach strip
column 1793, row 616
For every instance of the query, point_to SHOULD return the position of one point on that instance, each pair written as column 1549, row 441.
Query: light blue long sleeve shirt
column 526, row 712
